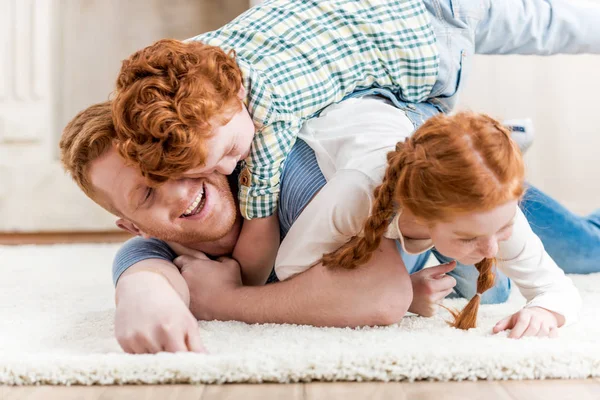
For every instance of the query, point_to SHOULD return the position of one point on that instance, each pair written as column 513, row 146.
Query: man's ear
column 130, row 227
column 242, row 92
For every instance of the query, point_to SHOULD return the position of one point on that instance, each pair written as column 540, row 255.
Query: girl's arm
column 335, row 214
column 525, row 261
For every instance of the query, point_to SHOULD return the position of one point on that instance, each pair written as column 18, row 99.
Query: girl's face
column 470, row 238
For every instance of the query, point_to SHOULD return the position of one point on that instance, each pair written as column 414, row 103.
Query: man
column 318, row 296
column 106, row 178
column 153, row 296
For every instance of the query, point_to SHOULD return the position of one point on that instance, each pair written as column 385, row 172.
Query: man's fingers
column 136, row 343
column 186, row 251
column 194, row 341
column 181, row 261
column 226, row 260
column 503, row 325
column 173, row 341
column 126, row 346
column 136, row 348
column 151, row 345
column 441, row 269
column 140, row 344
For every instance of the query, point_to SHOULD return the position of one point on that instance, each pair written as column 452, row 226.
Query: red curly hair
column 451, row 165
column 169, row 98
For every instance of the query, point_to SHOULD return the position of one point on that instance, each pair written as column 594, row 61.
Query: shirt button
column 244, row 178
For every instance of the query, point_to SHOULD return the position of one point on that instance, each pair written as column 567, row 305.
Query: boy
column 243, row 92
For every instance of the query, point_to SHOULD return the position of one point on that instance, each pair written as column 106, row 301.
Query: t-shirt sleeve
column 138, row 249
column 336, row 214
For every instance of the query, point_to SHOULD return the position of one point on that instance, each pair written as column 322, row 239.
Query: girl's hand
column 430, row 287
column 530, row 321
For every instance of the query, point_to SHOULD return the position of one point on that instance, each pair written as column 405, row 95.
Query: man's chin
column 219, row 244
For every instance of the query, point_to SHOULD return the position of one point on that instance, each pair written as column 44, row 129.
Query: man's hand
column 430, row 287
column 531, row 321
column 151, row 317
column 209, row 282
column 181, row 250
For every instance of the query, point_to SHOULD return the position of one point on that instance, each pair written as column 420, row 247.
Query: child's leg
column 522, row 132
column 571, row 240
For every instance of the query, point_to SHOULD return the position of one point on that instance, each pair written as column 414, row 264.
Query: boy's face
column 196, row 212
column 229, row 144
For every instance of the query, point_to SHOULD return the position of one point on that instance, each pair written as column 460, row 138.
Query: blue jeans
column 571, row 240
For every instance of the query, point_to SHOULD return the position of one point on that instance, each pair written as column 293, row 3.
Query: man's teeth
column 199, row 199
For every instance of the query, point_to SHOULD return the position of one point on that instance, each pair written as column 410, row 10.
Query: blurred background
column 60, row 56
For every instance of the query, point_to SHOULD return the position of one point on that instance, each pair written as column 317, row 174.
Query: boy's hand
column 530, row 321
column 210, row 283
column 151, row 318
column 430, row 287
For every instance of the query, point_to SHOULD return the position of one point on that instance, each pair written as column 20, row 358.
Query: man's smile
column 196, row 205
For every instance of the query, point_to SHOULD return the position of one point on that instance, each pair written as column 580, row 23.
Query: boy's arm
column 539, row 27
column 256, row 249
column 259, row 239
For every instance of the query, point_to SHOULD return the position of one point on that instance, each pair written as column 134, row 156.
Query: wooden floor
column 508, row 390
column 16, row 239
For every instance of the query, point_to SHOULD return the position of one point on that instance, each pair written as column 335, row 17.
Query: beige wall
column 98, row 34
column 559, row 93
column 56, row 58
column 60, row 56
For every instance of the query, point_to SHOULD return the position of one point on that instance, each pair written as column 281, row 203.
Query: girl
column 462, row 174
column 455, row 184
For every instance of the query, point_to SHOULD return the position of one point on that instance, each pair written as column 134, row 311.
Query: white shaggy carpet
column 56, row 327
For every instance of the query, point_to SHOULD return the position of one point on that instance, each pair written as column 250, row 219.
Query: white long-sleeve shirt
column 351, row 146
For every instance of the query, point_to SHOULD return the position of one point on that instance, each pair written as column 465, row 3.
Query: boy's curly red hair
column 169, row 98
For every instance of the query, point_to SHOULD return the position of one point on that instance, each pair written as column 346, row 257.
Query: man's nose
column 226, row 165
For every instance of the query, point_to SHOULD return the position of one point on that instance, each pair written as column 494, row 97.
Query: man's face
column 199, row 213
